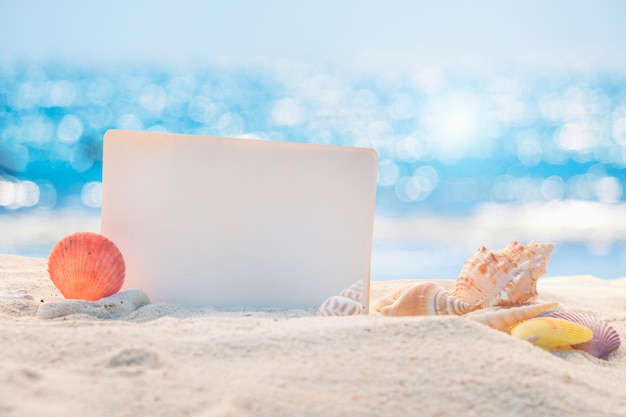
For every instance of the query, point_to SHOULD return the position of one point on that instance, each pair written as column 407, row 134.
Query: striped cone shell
column 391, row 297
column 355, row 291
column 426, row 298
column 502, row 318
column 86, row 266
column 504, row 277
column 605, row 339
column 339, row 305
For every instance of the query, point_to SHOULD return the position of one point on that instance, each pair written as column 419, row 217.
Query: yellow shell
column 426, row 298
column 551, row 333
column 504, row 277
column 502, row 318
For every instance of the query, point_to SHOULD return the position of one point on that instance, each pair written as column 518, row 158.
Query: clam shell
column 551, row 333
column 338, row 305
column 426, row 298
column 502, row 318
column 86, row 266
column 504, row 277
column 605, row 339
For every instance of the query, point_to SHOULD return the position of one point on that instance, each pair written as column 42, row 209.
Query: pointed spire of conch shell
column 426, row 298
column 355, row 291
column 504, row 277
column 502, row 318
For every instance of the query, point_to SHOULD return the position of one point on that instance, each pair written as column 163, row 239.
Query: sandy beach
column 169, row 360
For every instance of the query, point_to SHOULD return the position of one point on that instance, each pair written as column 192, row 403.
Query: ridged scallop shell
column 86, row 266
column 502, row 318
column 426, row 298
column 551, row 333
column 504, row 277
column 355, row 291
column 605, row 339
column 338, row 305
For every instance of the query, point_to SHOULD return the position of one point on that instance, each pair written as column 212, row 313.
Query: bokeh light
column 287, row 112
column 18, row 194
column 91, row 194
column 450, row 146
column 538, row 138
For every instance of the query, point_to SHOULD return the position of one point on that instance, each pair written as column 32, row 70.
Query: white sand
column 167, row 360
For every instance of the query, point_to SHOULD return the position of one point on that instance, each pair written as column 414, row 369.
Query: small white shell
column 339, row 305
column 11, row 295
column 355, row 291
column 17, row 302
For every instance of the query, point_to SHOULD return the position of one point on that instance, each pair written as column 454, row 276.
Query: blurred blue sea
column 465, row 160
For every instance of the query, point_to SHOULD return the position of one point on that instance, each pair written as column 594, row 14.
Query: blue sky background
column 355, row 33
column 493, row 120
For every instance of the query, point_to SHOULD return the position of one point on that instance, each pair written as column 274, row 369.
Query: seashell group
column 506, row 277
column 551, row 333
column 605, row 339
column 497, row 288
column 86, row 266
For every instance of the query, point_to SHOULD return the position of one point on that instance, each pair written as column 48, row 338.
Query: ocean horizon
column 464, row 161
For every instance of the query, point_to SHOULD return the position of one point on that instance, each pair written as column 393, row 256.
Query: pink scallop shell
column 86, row 266
column 605, row 339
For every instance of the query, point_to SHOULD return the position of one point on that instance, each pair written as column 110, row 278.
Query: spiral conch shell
column 504, row 277
column 426, row 298
column 86, row 266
